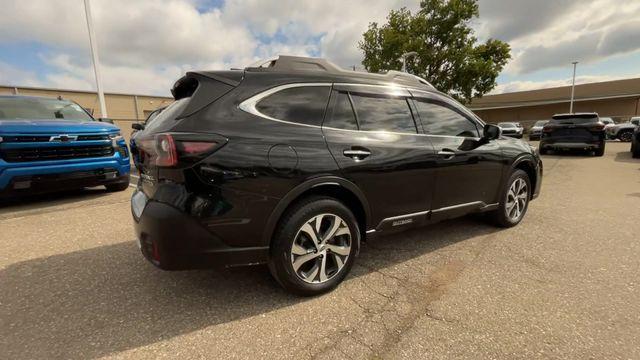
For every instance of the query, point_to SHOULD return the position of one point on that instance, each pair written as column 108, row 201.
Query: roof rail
column 299, row 63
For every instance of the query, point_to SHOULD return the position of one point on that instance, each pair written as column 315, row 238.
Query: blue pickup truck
column 51, row 144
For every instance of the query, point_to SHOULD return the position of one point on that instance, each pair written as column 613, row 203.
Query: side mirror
column 491, row 132
column 635, row 122
column 106, row 120
column 137, row 126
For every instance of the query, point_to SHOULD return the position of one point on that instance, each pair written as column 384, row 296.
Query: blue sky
column 146, row 44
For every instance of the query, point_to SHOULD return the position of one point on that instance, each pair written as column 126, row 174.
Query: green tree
column 448, row 54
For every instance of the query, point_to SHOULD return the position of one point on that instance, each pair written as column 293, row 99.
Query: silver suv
column 624, row 131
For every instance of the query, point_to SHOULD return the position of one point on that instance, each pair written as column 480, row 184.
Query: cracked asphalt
column 565, row 283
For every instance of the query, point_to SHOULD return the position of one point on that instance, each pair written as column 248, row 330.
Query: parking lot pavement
column 562, row 284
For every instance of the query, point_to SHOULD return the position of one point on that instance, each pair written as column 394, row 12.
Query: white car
column 536, row 130
column 608, row 123
column 511, row 129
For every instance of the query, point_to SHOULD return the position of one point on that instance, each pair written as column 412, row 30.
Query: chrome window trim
column 249, row 106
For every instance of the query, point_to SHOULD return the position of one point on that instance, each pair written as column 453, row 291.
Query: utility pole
column 94, row 57
column 404, row 59
column 573, row 86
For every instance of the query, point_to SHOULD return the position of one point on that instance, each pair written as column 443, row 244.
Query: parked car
column 635, row 143
column 582, row 131
column 608, row 123
column 136, row 127
column 624, row 131
column 293, row 164
column 536, row 130
column 51, row 144
column 511, row 129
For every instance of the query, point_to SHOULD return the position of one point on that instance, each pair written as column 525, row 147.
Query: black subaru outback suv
column 295, row 162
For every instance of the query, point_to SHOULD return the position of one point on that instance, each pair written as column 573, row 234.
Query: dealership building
column 619, row 99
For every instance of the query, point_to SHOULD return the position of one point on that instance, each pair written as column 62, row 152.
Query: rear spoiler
column 575, row 116
column 204, row 87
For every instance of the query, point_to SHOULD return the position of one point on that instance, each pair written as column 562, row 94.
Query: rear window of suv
column 573, row 119
column 303, row 105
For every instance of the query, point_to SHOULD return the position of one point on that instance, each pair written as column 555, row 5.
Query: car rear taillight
column 547, row 129
column 170, row 150
column 597, row 127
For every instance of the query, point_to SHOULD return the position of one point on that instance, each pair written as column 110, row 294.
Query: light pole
column 404, row 59
column 573, row 86
column 94, row 58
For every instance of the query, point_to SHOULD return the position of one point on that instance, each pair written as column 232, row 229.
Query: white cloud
column 145, row 45
column 514, row 86
column 11, row 75
column 590, row 32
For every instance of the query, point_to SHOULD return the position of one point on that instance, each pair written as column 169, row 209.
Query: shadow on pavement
column 625, row 156
column 41, row 202
column 100, row 301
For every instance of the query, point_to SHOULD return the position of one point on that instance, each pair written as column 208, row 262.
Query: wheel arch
column 332, row 186
column 527, row 164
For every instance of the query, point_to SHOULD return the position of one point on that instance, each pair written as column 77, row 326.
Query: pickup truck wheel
column 314, row 247
column 514, row 201
column 625, row 135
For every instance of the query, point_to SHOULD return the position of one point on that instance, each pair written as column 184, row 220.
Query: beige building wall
column 124, row 109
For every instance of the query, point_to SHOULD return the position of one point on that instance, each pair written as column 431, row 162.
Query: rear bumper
column 573, row 145
column 173, row 240
column 17, row 178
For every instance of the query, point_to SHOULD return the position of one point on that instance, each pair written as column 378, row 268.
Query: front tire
column 314, row 246
column 625, row 135
column 514, row 201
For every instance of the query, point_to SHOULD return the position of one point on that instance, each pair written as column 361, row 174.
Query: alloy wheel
column 517, row 198
column 625, row 136
column 321, row 248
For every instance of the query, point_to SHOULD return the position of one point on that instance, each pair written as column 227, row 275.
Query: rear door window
column 383, row 113
column 302, row 105
column 438, row 119
column 342, row 116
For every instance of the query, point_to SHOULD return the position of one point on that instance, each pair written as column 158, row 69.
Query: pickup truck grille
column 45, row 138
column 56, row 153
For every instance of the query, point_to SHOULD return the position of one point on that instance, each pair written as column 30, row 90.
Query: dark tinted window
column 343, row 116
column 440, row 120
column 303, row 105
column 574, row 120
column 380, row 113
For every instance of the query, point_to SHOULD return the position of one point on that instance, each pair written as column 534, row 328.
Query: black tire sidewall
column 280, row 264
column 501, row 215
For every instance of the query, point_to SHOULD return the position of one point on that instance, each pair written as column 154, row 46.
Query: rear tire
column 514, row 201
column 543, row 151
column 635, row 152
column 314, row 246
column 599, row 151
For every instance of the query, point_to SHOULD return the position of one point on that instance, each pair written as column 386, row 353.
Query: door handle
column 357, row 154
column 447, row 154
